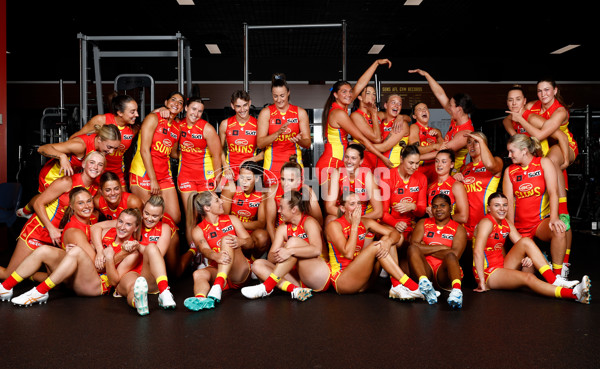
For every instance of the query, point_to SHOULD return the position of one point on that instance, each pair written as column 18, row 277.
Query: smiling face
column 393, row 106
column 410, row 164
column 368, row 95
column 242, row 108
column 352, row 160
column 440, row 209
column 93, row 166
column 421, row 113
column 281, row 97
column 515, row 100
column 285, row 210
column 107, row 147
column 152, row 215
column 352, row 202
column 174, row 104
column 111, row 191
column 194, row 111
column 516, row 154
column 126, row 226
column 83, row 205
column 498, row 208
column 343, row 96
column 443, row 164
column 130, row 113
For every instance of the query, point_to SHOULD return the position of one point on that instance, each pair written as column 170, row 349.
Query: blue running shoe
column 140, row 293
column 455, row 299
column 199, row 303
column 427, row 290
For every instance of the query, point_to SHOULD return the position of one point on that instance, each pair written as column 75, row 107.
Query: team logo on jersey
column 187, row 144
column 212, row 234
column 468, row 180
column 167, row 142
column 537, row 173
column 241, row 142
column 406, row 199
column 197, row 136
column 414, row 189
column 400, row 191
column 250, row 133
column 165, row 131
column 430, row 234
column 184, row 134
column 235, row 132
column 287, row 131
column 496, row 236
column 526, row 187
column 498, row 246
column 244, row 213
column 519, row 178
column 240, row 202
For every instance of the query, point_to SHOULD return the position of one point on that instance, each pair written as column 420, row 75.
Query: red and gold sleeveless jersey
column 241, row 142
column 337, row 261
column 245, row 206
column 532, row 203
column 213, row 233
column 537, row 108
column 297, row 231
column 195, row 159
column 370, row 159
column 461, row 154
column 51, row 170
column 113, row 213
column 479, row 183
column 520, row 130
column 357, row 185
column 56, row 209
column 151, row 235
column 165, row 137
column 441, row 188
column 75, row 223
column 494, row 247
column 435, row 235
column 282, row 148
column 114, row 161
column 412, row 191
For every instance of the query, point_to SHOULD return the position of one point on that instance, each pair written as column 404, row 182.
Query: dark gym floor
column 496, row 329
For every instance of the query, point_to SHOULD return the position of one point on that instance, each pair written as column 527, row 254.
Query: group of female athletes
column 396, row 199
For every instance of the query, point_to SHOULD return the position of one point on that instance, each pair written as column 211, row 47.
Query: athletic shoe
column 5, row 295
column 253, row 276
column 215, row 293
column 140, row 293
column 198, row 303
column 383, row 274
column 582, row 290
column 165, row 299
column 255, row 292
column 427, row 290
column 566, row 218
column 565, row 270
column 21, row 213
column 31, row 297
column 401, row 292
column 456, row 298
column 203, row 264
column 562, row 282
column 301, row 294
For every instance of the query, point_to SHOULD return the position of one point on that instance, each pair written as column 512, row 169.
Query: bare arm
column 89, row 127
column 437, row 90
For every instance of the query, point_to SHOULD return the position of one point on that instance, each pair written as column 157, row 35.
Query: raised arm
column 437, row 90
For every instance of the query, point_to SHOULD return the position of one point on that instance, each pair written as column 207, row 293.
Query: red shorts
column 529, row 231
column 270, row 178
column 333, row 280
column 144, row 182
column 487, row 273
column 228, row 284
column 435, row 264
column 35, row 234
column 196, row 186
column 104, row 284
column 324, row 168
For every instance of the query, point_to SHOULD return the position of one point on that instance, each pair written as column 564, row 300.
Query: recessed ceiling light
column 376, row 49
column 413, row 2
column 213, row 48
column 185, row 2
column 565, row 49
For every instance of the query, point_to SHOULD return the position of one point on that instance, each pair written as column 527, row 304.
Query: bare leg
column 21, row 252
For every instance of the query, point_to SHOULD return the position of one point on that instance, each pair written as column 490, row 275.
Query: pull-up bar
column 247, row 28
column 182, row 54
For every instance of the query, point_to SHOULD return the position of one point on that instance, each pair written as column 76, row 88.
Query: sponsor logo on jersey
column 447, row 236
column 197, row 136
column 229, row 228
column 292, row 120
column 153, row 238
column 250, row 133
column 414, row 189
column 537, row 173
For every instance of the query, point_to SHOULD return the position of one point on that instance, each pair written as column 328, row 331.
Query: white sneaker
column 562, row 282
column 21, row 214
column 301, row 294
column 5, row 295
column 402, row 292
column 565, row 270
column 255, row 292
column 215, row 292
column 456, row 298
column 165, row 299
column 428, row 291
column 203, row 264
column 30, row 297
column 582, row 290
column 140, row 293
